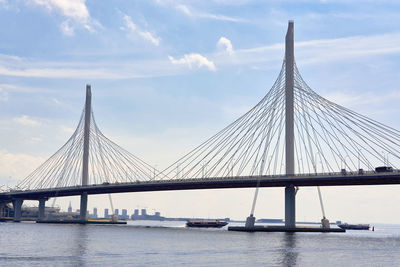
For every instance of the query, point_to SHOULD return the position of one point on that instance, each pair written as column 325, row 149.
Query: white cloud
column 10, row 5
column 235, row 111
column 184, row 9
column 17, row 166
column 5, row 88
column 366, row 99
column 3, row 95
column 72, row 72
column 75, row 11
column 194, row 14
column 26, row 120
column 225, row 44
column 66, row 129
column 4, row 4
column 132, row 28
column 66, row 28
column 193, row 60
column 36, row 139
column 56, row 101
column 316, row 52
column 312, row 52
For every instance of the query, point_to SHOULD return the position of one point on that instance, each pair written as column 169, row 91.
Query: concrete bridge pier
column 2, row 210
column 83, row 208
column 42, row 206
column 290, row 206
column 17, row 204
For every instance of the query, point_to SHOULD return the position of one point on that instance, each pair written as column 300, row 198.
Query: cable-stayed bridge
column 293, row 137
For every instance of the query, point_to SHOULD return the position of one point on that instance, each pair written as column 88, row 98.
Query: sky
column 166, row 75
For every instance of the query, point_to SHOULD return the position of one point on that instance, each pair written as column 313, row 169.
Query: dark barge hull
column 205, row 224
column 354, row 226
column 285, row 229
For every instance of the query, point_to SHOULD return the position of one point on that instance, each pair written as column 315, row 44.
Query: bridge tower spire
column 290, row 192
column 85, row 159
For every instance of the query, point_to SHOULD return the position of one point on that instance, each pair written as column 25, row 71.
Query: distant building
column 116, row 212
column 70, row 208
column 33, row 212
column 144, row 213
column 106, row 213
column 124, row 214
column 144, row 216
column 135, row 212
column 94, row 212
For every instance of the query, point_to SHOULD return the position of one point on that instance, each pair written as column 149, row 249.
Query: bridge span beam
column 17, row 205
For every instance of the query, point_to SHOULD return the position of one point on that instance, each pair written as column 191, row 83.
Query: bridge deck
column 209, row 183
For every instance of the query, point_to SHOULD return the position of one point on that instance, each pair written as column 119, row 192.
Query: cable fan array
column 108, row 163
column 328, row 138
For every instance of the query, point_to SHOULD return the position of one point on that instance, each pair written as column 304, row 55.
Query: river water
column 149, row 243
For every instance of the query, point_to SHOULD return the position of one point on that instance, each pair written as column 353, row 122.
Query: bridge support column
column 85, row 159
column 2, row 212
column 42, row 206
column 250, row 221
column 290, row 206
column 17, row 205
column 83, row 210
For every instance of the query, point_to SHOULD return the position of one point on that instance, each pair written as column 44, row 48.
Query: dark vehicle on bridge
column 384, row 169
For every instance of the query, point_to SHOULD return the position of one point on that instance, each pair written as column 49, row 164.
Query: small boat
column 214, row 224
column 354, row 226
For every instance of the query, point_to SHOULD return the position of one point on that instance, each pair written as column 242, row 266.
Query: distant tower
column 95, row 212
column 116, row 212
column 135, row 214
column 144, row 213
column 106, row 213
column 124, row 214
column 70, row 208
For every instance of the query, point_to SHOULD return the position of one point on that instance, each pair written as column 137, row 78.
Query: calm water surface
column 144, row 243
